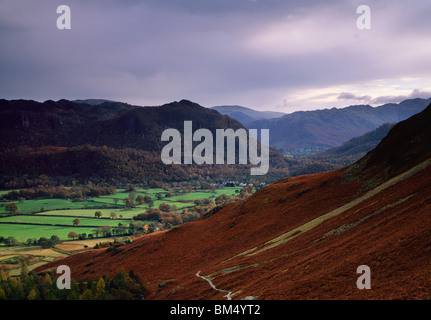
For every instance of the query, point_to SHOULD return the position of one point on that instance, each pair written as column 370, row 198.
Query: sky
column 273, row 55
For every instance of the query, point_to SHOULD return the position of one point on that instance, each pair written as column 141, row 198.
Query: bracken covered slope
column 301, row 238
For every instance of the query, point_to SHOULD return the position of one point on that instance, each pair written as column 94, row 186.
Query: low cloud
column 416, row 93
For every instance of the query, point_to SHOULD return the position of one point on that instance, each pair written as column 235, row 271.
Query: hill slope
column 300, row 238
column 320, row 130
column 105, row 142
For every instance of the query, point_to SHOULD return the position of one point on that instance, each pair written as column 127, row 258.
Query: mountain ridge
column 118, row 141
column 327, row 128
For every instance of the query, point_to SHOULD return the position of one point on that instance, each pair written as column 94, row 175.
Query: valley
column 214, row 232
column 25, row 234
column 300, row 238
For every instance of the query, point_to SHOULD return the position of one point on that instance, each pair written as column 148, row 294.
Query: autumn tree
column 72, row 235
column 113, row 215
column 140, row 199
column 11, row 207
column 165, row 207
column 147, row 199
column 98, row 214
column 245, row 192
column 76, row 221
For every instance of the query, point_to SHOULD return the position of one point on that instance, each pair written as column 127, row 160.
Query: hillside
column 107, row 142
column 355, row 148
column 300, row 238
column 312, row 132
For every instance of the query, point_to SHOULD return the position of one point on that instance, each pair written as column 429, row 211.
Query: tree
column 55, row 239
column 76, row 221
column 72, row 235
column 140, row 199
column 113, row 215
column 147, row 199
column 245, row 192
column 98, row 214
column 32, row 295
column 3, row 276
column 98, row 231
column 128, row 203
column 11, row 241
column 100, row 288
column 11, row 207
column 132, row 195
column 165, row 207
column 24, row 269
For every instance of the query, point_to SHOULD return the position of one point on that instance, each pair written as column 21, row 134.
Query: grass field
column 31, row 206
column 22, row 232
column 53, row 220
column 57, row 219
column 89, row 213
column 63, row 211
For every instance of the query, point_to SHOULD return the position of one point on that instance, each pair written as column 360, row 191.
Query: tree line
column 32, row 286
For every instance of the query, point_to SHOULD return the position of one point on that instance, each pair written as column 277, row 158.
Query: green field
column 32, row 206
column 89, row 213
column 23, row 232
column 55, row 220
column 32, row 222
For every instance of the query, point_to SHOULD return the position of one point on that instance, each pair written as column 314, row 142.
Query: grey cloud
column 416, row 93
column 153, row 51
column 351, row 96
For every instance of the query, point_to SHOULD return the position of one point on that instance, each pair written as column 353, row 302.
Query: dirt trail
column 227, row 296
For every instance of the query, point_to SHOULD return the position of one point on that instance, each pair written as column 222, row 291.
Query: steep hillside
column 320, row 130
column 301, row 238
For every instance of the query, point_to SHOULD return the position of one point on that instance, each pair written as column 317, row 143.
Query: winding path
column 227, row 296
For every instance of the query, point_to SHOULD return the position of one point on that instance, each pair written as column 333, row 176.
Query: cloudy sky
column 275, row 55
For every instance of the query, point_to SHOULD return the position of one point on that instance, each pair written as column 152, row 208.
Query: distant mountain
column 341, row 156
column 355, row 148
column 246, row 115
column 319, row 130
column 300, row 238
column 111, row 142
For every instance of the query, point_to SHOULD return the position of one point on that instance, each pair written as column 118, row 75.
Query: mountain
column 355, row 148
column 301, row 238
column 109, row 142
column 341, row 156
column 246, row 115
column 315, row 131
